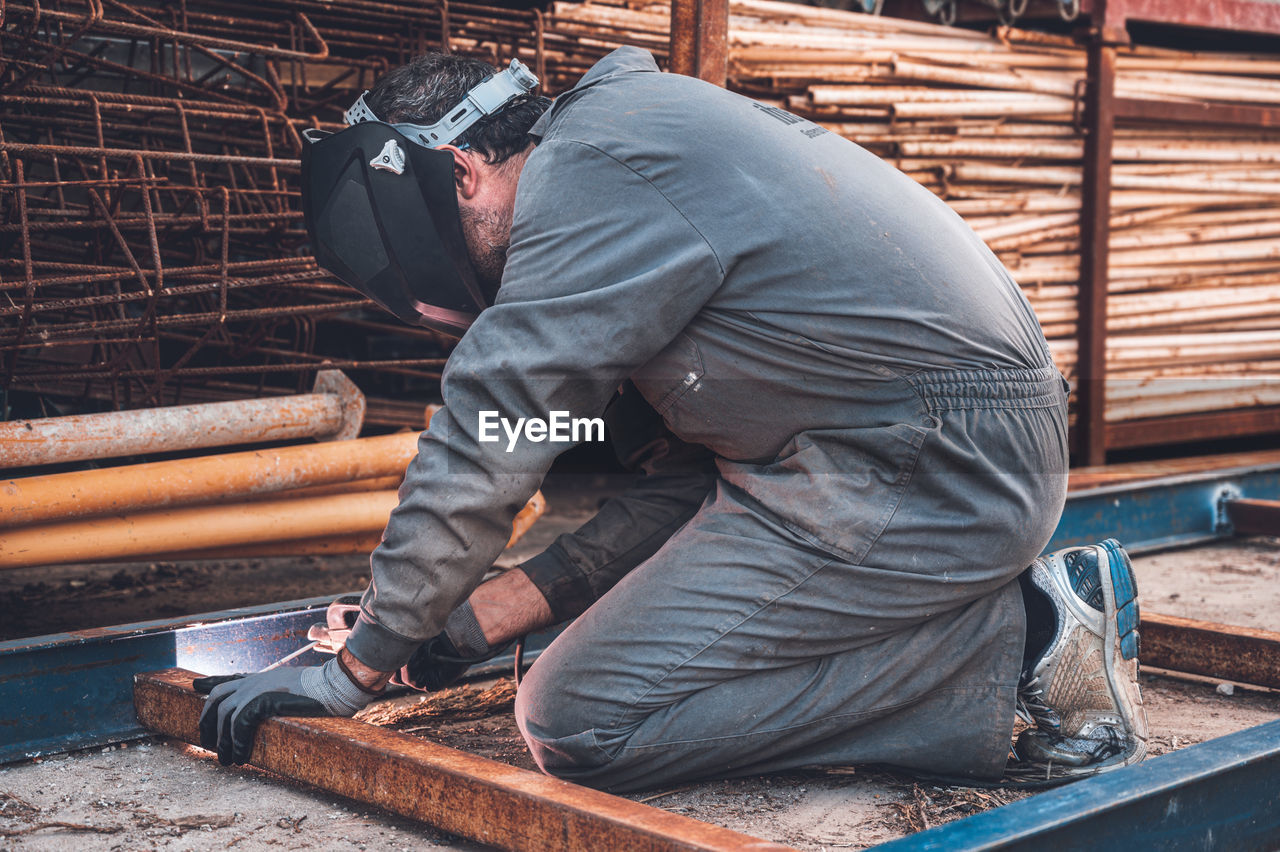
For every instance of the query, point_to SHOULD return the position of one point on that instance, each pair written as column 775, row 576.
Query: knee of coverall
column 566, row 720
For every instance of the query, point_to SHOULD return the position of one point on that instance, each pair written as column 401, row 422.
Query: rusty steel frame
column 479, row 799
column 1254, row 517
column 1095, row 218
column 46, row 716
column 1242, row 16
column 1221, row 790
column 1242, row 654
column 1101, row 109
column 700, row 39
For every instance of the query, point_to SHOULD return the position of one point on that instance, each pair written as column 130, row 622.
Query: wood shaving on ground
column 64, row 826
column 924, row 807
column 457, row 704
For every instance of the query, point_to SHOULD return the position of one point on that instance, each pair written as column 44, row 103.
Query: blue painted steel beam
column 1162, row 513
column 74, row 690
column 1220, row 794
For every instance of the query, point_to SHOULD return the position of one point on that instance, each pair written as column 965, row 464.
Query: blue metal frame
column 1220, row 794
column 74, row 690
column 68, row 691
column 1162, row 513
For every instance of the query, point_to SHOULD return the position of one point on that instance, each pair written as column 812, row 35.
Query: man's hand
column 435, row 665
column 237, row 704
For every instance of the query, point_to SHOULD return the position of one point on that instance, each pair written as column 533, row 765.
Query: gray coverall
column 871, row 447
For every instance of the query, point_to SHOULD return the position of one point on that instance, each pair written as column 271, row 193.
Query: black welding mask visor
column 382, row 215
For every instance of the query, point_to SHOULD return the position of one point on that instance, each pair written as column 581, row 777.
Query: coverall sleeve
column 676, row 477
column 602, row 273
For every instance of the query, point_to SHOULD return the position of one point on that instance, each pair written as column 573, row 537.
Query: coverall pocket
column 837, row 488
column 675, row 371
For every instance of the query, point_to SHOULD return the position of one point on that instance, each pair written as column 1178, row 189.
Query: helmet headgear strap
column 485, row 98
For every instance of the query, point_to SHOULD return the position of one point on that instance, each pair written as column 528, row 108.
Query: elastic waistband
column 941, row 390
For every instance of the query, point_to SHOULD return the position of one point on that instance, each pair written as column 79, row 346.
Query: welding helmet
column 381, row 208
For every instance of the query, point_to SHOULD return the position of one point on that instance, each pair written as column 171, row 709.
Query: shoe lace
column 1032, row 709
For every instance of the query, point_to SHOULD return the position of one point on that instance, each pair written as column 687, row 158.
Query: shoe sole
column 1120, row 598
column 1124, row 593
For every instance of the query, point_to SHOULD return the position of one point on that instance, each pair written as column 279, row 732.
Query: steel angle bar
column 1220, row 794
column 74, row 690
column 1254, row 517
column 1162, row 513
column 477, row 798
column 1244, row 654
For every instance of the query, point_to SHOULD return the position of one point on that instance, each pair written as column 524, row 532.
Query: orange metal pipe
column 352, row 543
column 198, row 528
column 209, row 479
column 335, row 411
column 377, row 483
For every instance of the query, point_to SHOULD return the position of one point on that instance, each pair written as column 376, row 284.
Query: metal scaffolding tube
column 207, row 479
column 334, row 412
column 203, row 528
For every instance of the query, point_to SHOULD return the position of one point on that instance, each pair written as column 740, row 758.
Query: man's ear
column 466, row 171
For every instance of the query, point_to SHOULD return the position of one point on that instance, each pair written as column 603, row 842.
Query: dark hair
column 420, row 92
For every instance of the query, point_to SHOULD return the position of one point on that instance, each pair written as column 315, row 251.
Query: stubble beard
column 488, row 235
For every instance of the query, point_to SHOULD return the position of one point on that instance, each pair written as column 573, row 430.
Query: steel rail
column 471, row 796
column 71, row 690
column 1255, row 517
column 1242, row 654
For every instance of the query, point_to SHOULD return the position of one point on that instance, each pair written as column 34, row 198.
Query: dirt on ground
column 1231, row 583
column 158, row 794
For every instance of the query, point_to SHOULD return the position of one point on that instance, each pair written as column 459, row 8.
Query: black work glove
column 237, row 704
column 435, row 665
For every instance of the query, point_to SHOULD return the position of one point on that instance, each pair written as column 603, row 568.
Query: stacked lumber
column 991, row 124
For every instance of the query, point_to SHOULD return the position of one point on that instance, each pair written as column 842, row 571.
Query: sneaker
column 1041, row 759
column 1081, row 691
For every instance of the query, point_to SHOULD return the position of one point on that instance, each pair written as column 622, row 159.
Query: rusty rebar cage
column 153, row 246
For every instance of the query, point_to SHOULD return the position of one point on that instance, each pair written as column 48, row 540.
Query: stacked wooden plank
column 991, row 124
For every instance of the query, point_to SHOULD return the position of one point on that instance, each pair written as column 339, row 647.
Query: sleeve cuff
column 564, row 585
column 379, row 648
